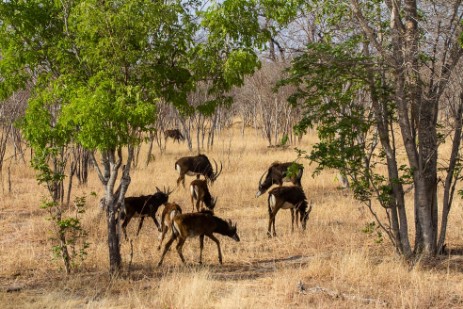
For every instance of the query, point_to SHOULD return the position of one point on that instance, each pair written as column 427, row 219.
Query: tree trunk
column 150, row 149
column 114, row 199
column 450, row 182
column 115, row 259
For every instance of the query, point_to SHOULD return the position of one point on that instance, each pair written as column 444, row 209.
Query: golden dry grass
column 333, row 264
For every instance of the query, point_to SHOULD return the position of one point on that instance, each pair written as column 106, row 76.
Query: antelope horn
column 260, row 180
column 217, row 171
column 158, row 189
column 168, row 191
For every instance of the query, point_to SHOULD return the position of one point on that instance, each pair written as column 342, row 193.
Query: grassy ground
column 333, row 264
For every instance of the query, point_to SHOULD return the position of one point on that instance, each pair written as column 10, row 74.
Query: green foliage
column 102, row 66
column 281, row 11
column 328, row 91
column 284, row 140
column 293, row 169
column 96, row 70
column 370, row 229
column 235, row 21
column 68, row 235
column 239, row 64
column 332, row 80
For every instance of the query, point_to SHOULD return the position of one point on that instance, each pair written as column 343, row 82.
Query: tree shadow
column 249, row 270
column 450, row 260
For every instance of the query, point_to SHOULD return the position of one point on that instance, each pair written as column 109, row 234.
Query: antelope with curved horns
column 197, row 165
column 199, row 192
column 292, row 198
column 277, row 173
column 174, row 134
column 143, row 206
column 170, row 211
column 199, row 224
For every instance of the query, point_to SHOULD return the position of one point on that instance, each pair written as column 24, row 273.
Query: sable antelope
column 168, row 214
column 292, row 198
column 200, row 192
column 143, row 206
column 174, row 134
column 276, row 174
column 198, row 224
column 196, row 165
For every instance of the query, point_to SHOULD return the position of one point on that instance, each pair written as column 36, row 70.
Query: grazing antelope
column 170, row 211
column 143, row 206
column 196, row 165
column 276, row 174
column 174, row 134
column 198, row 224
column 200, row 192
column 292, row 198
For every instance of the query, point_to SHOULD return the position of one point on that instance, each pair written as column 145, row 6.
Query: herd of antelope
column 203, row 222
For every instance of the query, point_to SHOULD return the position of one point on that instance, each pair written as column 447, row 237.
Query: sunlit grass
column 333, row 253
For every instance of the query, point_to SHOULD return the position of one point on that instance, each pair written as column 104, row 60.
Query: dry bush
column 332, row 264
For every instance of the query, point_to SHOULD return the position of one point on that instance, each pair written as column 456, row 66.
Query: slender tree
column 382, row 65
column 97, row 69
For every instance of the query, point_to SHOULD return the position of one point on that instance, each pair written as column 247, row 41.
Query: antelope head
column 263, row 186
column 232, row 231
column 305, row 215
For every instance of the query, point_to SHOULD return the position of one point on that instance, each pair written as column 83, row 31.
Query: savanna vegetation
column 366, row 95
column 342, row 260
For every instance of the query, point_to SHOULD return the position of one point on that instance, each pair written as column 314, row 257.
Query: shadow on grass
column 228, row 271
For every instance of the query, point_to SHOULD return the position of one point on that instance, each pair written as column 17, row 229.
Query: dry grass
column 332, row 265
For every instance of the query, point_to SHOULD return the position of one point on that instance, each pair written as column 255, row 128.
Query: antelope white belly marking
column 190, row 173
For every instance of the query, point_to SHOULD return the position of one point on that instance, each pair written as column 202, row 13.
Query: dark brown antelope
column 199, row 192
column 277, row 174
column 196, row 165
column 292, row 198
column 173, row 134
column 143, row 206
column 170, row 211
column 198, row 224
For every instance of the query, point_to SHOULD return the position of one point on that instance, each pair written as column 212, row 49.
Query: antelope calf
column 196, row 165
column 143, row 206
column 292, row 198
column 198, row 224
column 199, row 192
column 170, row 211
column 277, row 173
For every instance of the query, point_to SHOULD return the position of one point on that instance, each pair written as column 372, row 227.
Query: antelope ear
column 158, row 189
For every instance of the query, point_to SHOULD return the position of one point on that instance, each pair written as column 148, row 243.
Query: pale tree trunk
column 149, row 153
column 451, row 178
column 211, row 135
column 114, row 199
column 417, row 117
column 186, row 130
